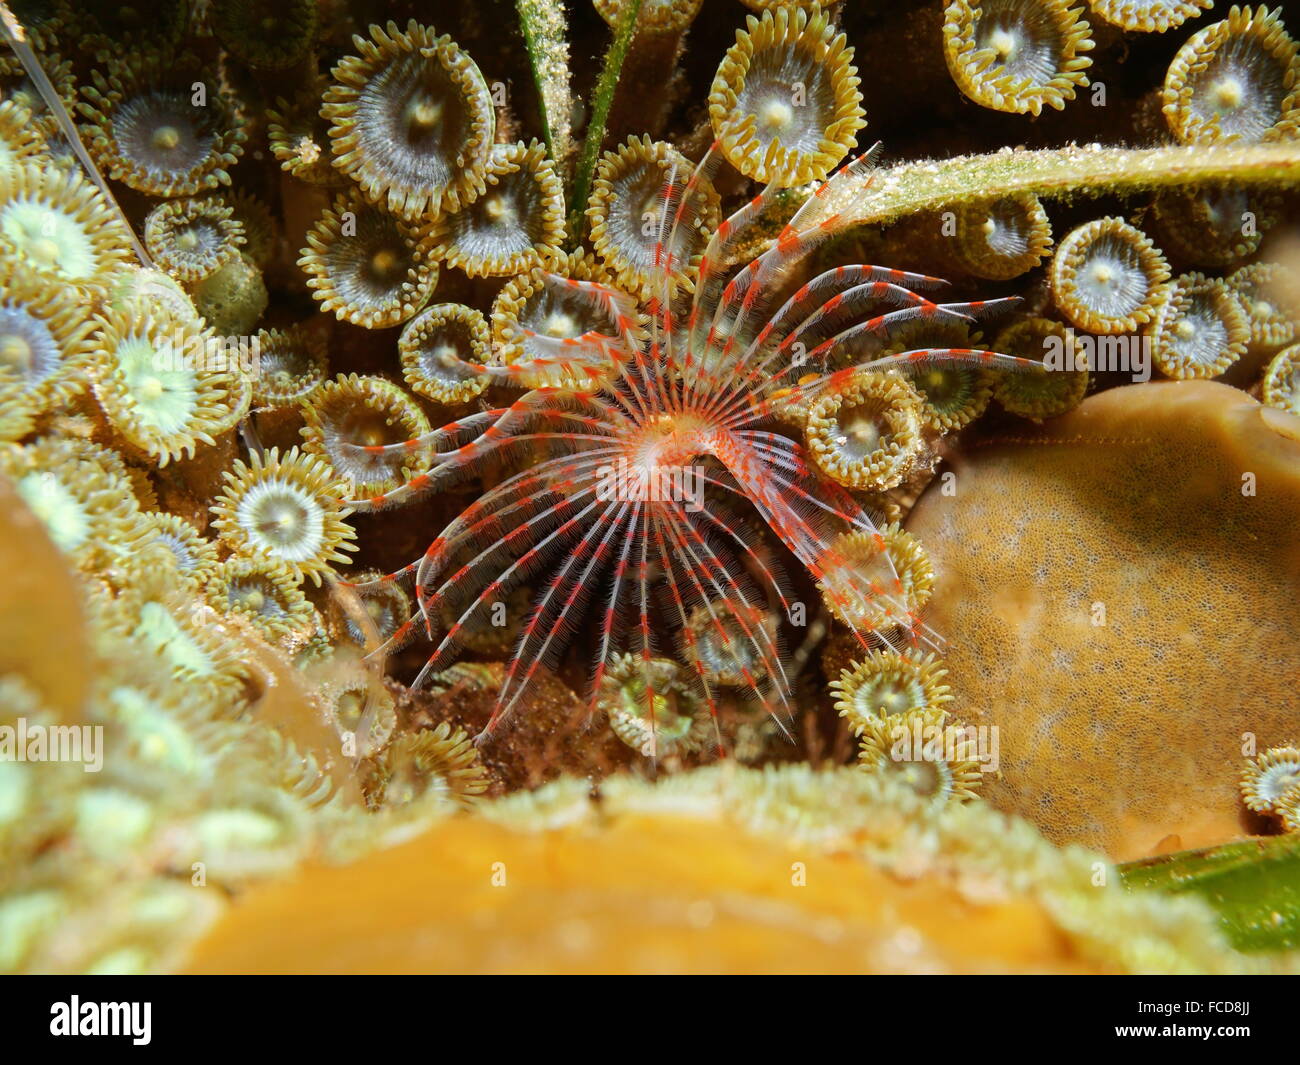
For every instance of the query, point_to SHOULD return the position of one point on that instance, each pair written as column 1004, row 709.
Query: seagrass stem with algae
column 544, row 26
column 13, row 33
column 602, row 101
column 1254, row 886
column 1092, row 170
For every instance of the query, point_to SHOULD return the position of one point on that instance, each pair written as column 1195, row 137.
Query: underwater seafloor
column 502, row 487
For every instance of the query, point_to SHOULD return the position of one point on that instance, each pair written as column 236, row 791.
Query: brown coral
column 537, row 308
column 1265, row 292
column 20, row 140
column 1199, row 329
column 1148, row 15
column 1059, row 388
column 164, row 384
column 625, row 209
column 299, row 138
column 46, row 348
column 1004, row 238
column 868, row 434
column 271, row 34
column 1281, row 384
column 291, row 366
column 286, row 509
column 439, row 350
column 352, row 412
column 60, row 227
column 191, row 239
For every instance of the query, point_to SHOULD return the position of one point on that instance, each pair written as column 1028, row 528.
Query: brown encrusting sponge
column 538, row 468
column 1153, row 520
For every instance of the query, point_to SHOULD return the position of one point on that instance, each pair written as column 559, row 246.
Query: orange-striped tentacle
column 493, row 516
column 680, row 201
column 802, row 347
column 609, row 616
column 824, row 214
column 503, row 516
column 705, row 568
column 528, row 560
column 551, row 622
column 694, row 657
